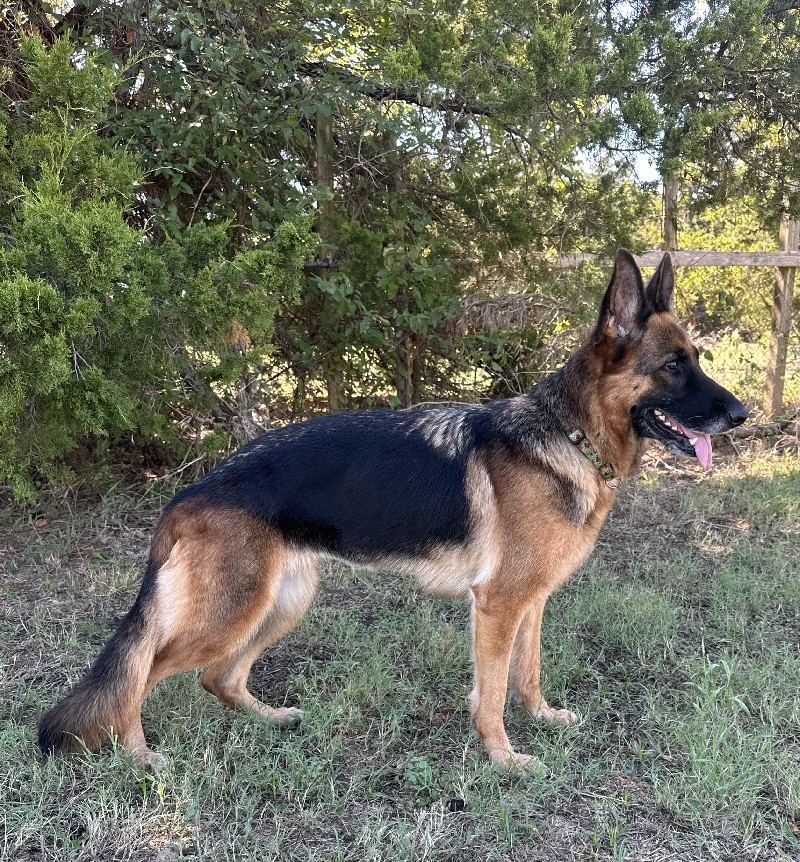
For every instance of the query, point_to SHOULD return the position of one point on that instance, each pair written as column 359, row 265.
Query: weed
column 676, row 644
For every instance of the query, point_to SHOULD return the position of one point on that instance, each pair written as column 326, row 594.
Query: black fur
column 378, row 482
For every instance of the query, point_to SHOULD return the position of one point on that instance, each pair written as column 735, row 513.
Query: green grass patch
column 676, row 643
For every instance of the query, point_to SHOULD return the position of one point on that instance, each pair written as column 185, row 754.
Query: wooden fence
column 786, row 261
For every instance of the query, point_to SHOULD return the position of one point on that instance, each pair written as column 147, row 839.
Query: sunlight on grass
column 676, row 644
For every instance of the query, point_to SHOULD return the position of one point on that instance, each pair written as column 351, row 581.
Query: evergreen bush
column 100, row 326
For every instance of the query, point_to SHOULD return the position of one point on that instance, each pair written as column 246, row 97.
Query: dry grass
column 677, row 643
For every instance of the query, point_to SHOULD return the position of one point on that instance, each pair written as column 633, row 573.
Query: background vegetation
column 216, row 216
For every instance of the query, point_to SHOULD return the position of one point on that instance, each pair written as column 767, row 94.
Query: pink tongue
column 702, row 446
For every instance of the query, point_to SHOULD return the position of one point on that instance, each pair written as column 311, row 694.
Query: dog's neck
column 581, row 397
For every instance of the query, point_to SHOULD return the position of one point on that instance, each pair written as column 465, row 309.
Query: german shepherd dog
column 498, row 502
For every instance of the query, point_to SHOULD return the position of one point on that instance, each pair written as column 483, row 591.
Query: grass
column 677, row 644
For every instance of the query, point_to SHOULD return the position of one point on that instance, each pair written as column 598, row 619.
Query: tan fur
column 227, row 591
column 223, row 586
column 538, row 549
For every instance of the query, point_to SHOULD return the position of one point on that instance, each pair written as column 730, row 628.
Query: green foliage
column 379, row 321
column 53, row 130
column 729, row 298
column 720, row 299
column 101, row 328
column 160, row 162
column 711, row 91
column 234, row 154
column 475, row 154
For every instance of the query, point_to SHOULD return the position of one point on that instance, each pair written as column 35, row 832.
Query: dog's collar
column 578, row 438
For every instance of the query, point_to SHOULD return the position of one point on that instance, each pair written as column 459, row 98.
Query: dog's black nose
column 737, row 413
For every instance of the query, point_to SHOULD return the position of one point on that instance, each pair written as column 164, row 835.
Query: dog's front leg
column 526, row 668
column 494, row 627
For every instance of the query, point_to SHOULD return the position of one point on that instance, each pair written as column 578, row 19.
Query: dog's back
column 501, row 502
column 356, row 486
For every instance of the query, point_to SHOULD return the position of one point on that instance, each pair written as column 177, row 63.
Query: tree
column 105, row 333
column 713, row 91
column 455, row 132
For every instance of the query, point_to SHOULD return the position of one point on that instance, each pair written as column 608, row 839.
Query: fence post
column 781, row 319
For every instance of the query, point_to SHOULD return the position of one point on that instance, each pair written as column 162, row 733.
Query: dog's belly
column 446, row 571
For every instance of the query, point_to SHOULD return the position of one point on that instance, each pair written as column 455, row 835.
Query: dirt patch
column 380, row 770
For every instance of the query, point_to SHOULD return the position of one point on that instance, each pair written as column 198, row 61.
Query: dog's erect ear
column 660, row 287
column 624, row 306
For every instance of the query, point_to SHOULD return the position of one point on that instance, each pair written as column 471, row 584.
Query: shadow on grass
column 677, row 644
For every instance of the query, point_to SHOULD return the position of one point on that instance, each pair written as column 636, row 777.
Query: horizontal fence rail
column 690, row 257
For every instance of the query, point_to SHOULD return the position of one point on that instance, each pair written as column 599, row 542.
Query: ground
column 677, row 644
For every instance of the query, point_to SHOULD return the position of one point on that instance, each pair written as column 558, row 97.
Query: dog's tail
column 108, row 699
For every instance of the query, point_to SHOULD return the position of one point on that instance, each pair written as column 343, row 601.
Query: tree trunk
column 417, row 370
column 299, row 396
column 670, row 207
column 325, row 171
column 402, row 374
column 327, row 244
column 333, row 380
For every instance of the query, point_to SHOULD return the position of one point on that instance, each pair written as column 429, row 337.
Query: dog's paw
column 511, row 761
column 561, row 717
column 151, row 761
column 542, row 712
column 284, row 716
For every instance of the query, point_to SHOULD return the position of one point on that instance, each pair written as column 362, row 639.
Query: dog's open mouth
column 678, row 437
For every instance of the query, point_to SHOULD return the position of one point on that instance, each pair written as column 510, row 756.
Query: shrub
column 105, row 333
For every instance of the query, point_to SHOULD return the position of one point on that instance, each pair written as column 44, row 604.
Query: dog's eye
column 672, row 365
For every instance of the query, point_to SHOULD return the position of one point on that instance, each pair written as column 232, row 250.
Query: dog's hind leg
column 227, row 678
column 212, row 598
column 526, row 665
column 219, row 587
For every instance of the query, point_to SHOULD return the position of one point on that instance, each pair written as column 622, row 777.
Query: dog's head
column 656, row 367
